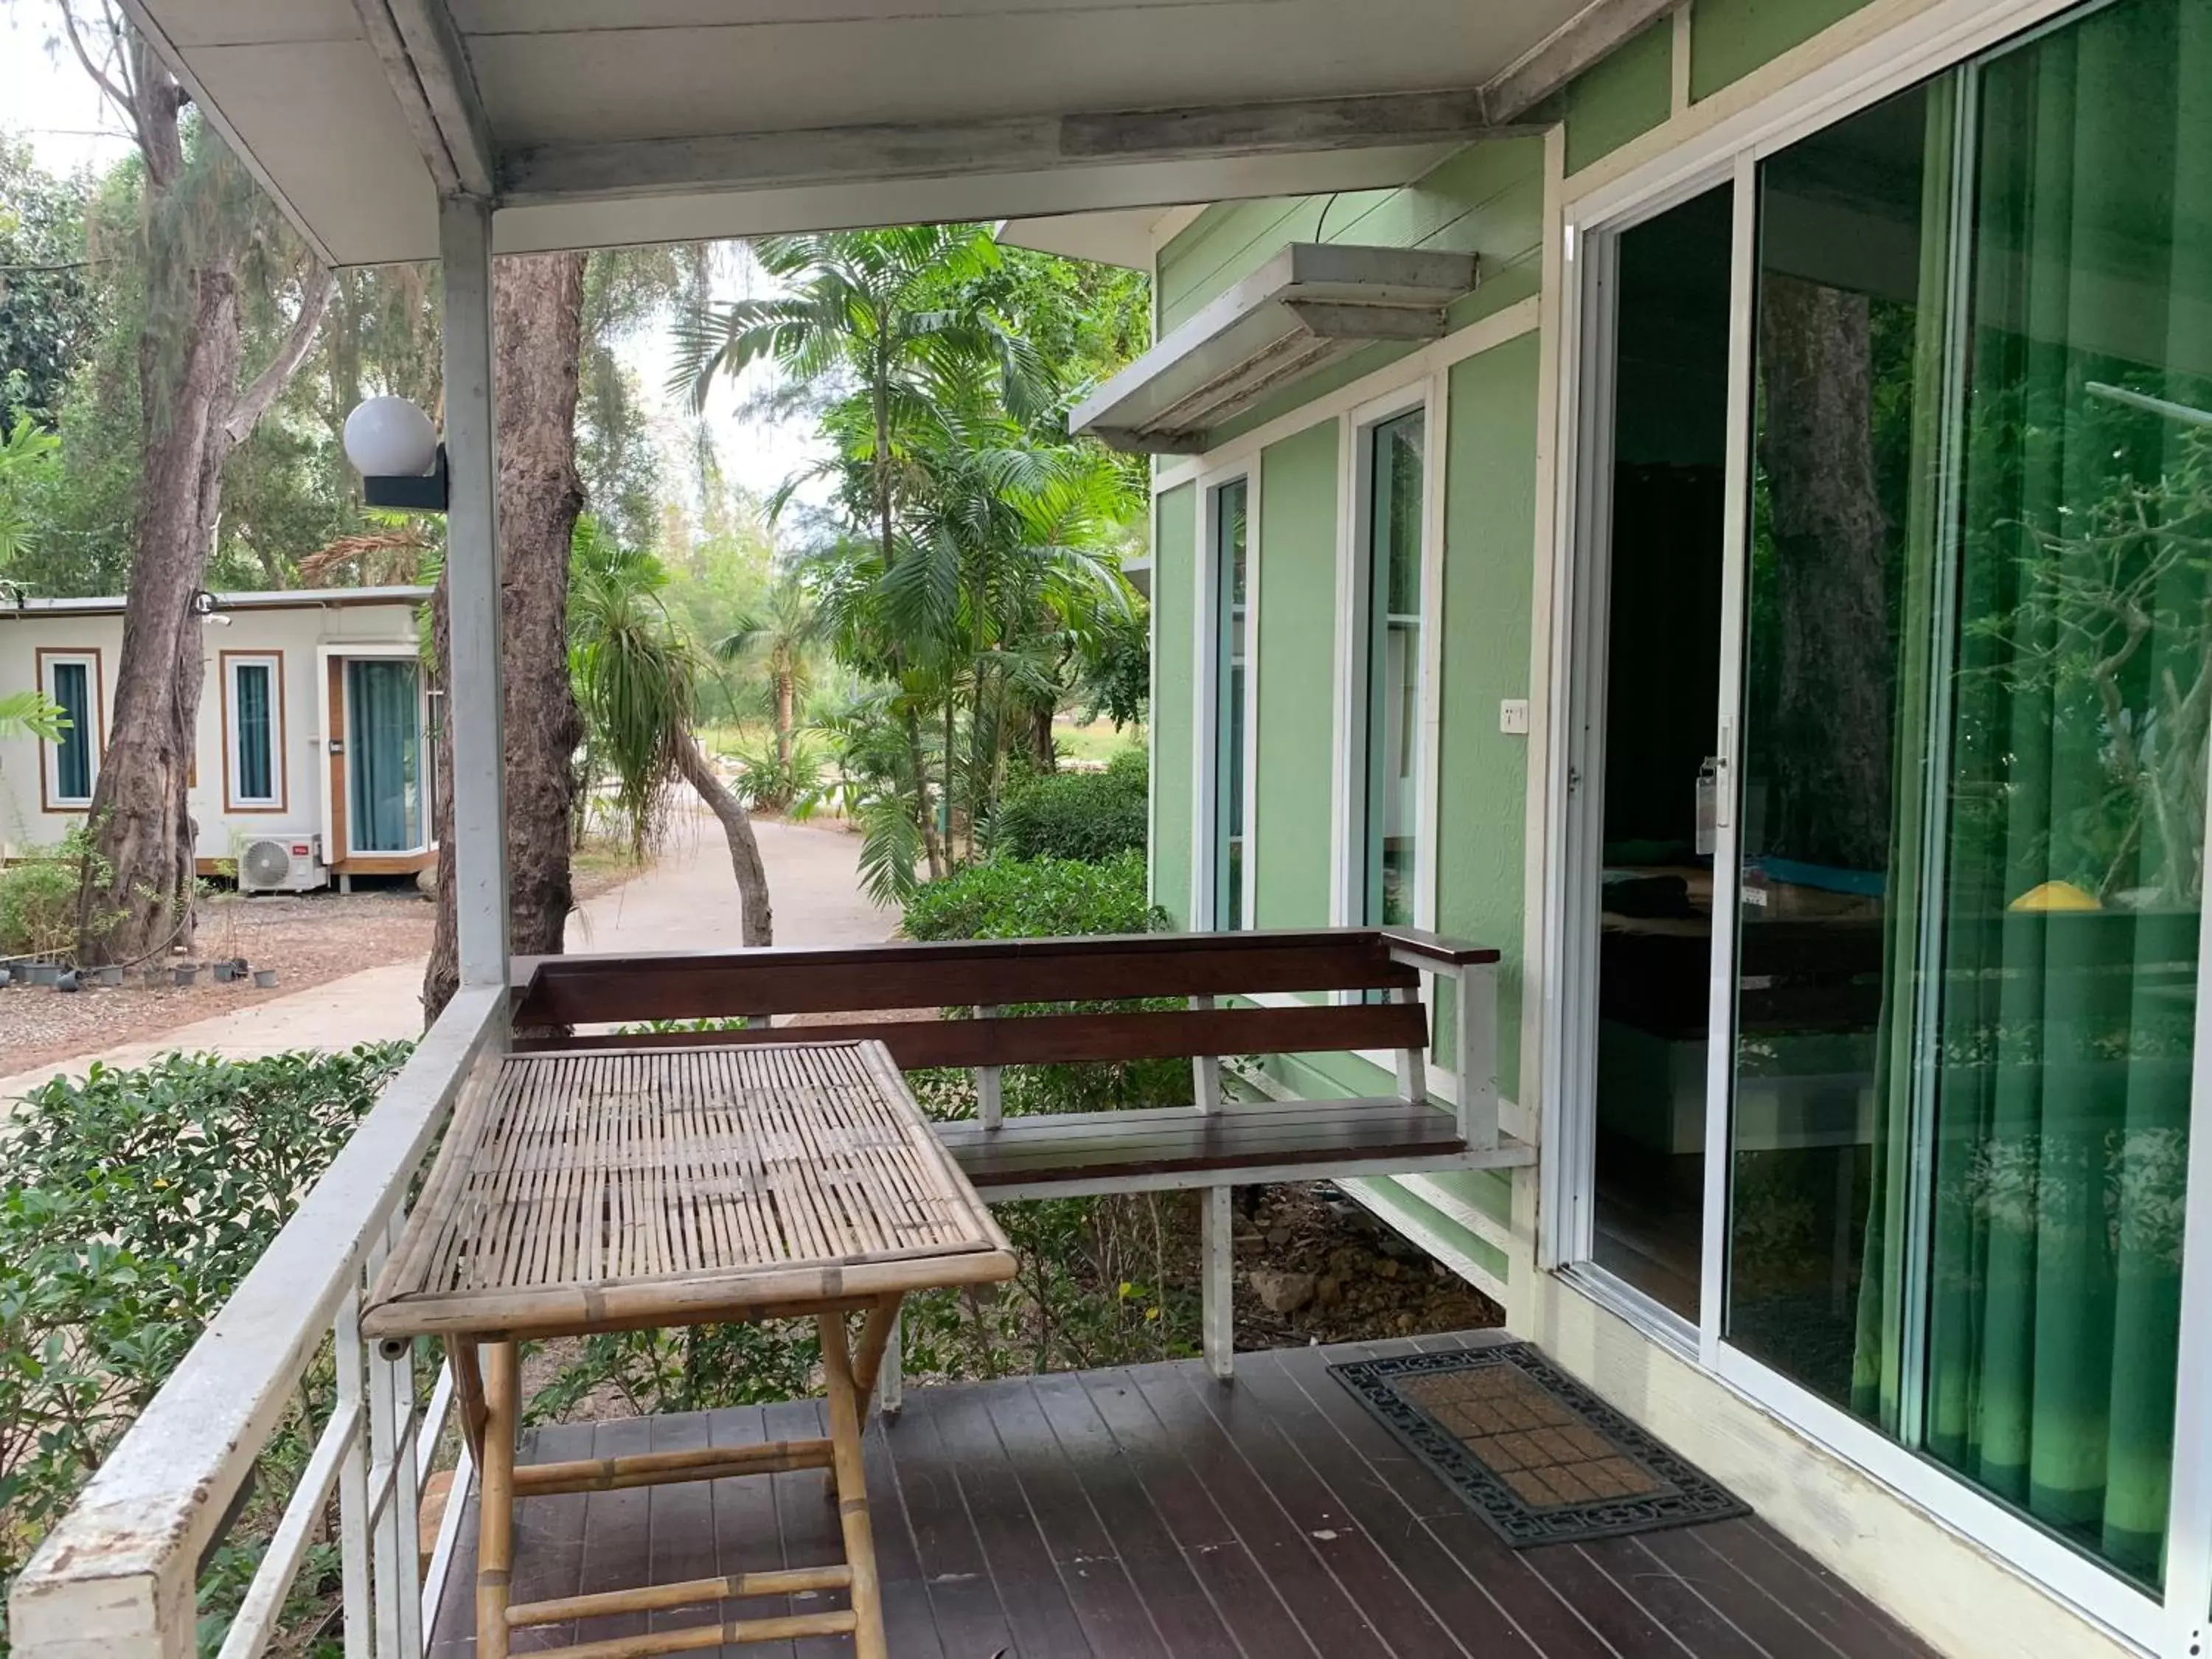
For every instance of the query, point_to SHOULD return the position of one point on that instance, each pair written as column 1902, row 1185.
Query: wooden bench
column 1214, row 1145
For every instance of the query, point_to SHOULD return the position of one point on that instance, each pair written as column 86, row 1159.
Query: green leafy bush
column 1007, row 897
column 132, row 1205
column 1091, row 815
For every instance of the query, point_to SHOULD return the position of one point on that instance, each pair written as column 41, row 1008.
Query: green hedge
column 1091, row 815
column 1036, row 898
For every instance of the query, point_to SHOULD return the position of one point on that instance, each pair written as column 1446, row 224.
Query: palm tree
column 887, row 312
column 781, row 643
column 637, row 678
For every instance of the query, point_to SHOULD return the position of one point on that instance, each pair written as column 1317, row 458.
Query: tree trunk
column 1830, row 749
column 538, row 312
column 759, row 925
column 786, row 698
column 1042, row 749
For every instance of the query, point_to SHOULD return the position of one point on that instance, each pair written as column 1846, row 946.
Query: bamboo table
column 620, row 1190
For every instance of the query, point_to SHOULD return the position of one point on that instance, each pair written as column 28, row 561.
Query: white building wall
column 302, row 635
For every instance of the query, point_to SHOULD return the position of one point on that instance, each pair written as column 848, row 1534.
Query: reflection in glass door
column 1978, row 687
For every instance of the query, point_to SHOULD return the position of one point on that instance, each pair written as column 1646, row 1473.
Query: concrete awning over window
column 1310, row 305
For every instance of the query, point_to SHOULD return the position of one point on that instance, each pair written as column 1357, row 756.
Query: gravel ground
column 308, row 939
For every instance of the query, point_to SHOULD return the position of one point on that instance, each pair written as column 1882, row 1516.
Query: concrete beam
column 428, row 66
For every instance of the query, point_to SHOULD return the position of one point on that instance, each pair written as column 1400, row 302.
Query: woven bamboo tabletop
column 592, row 1191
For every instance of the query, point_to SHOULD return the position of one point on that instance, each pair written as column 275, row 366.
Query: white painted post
column 989, row 1102
column 1475, row 1043
column 353, row 1480
column 890, row 1375
column 1412, row 1063
column 1217, row 1306
column 477, row 862
column 1206, row 1071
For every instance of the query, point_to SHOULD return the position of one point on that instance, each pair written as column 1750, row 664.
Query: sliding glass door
column 385, row 755
column 1944, row 645
column 1977, row 647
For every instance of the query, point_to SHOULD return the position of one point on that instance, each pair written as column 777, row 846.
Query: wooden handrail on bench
column 1221, row 1143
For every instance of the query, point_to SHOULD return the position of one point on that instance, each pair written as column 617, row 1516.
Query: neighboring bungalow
column 313, row 762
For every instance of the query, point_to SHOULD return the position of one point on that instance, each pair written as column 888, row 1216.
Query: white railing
column 117, row 1578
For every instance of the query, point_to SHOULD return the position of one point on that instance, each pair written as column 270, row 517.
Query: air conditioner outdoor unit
column 281, row 864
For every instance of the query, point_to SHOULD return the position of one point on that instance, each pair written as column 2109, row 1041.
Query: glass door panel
column 384, row 747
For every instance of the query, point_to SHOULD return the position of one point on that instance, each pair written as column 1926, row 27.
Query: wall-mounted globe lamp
column 394, row 447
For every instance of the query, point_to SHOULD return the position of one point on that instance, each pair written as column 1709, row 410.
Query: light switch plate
column 1513, row 716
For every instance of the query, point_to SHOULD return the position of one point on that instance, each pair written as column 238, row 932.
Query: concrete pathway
column 687, row 901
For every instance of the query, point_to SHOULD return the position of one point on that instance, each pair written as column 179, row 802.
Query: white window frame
column 1205, row 837
column 1429, row 395
column 235, row 798
column 50, row 798
column 1724, row 137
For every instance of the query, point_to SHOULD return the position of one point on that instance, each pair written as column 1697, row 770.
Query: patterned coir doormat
column 1533, row 1452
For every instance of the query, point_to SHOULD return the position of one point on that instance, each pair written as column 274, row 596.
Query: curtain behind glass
column 72, row 690
column 385, row 755
column 2076, row 778
column 254, row 735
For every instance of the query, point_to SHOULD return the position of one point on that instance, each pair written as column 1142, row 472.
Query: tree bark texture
column 1829, row 749
column 538, row 312
column 759, row 925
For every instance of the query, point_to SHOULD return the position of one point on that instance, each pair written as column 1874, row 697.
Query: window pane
column 1393, row 659
column 72, row 689
column 2076, row 779
column 1849, row 304
column 386, row 755
column 1231, row 644
column 255, row 739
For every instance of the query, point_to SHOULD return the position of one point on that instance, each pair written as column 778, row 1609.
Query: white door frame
column 1206, row 653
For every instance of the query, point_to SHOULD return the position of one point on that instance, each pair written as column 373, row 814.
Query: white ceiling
column 300, row 90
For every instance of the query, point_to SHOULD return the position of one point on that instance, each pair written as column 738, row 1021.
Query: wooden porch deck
column 1151, row 1511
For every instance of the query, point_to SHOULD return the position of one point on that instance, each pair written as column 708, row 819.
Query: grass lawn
column 1097, row 741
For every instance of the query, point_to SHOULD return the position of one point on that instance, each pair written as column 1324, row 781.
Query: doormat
column 1532, row 1451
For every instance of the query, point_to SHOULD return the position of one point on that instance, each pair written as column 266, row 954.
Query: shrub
column 1091, row 815
column 1005, row 897
column 132, row 1205
column 766, row 784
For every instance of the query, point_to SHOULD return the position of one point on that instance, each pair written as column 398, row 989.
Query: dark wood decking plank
column 1758, row 1615
column 1848, row 1621
column 747, row 1538
column 680, row 1524
column 618, row 1553
column 1107, row 1602
column 1242, row 1593
column 1028, row 1580
column 1460, row 1602
column 1690, row 1618
column 908, row 1619
column 1182, row 1611
column 1546, row 1618
column 807, row 1511
column 962, row 1596
column 549, row 1546
column 1391, row 1603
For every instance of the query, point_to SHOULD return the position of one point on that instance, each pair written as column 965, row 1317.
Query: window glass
column 253, row 731
column 1393, row 668
column 385, row 755
column 1230, row 647
column 69, row 684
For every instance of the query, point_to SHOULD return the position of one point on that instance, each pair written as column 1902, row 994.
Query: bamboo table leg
column 845, row 1409
column 496, row 1506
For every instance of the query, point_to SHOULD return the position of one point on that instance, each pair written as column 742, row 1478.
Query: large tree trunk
column 759, row 925
column 1830, row 743
column 538, row 316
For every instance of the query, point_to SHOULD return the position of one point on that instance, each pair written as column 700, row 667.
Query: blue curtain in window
column 256, row 736
column 386, row 755
column 72, row 690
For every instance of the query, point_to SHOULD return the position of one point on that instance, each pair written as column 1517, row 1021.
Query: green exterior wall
column 1297, row 638
column 1174, row 711
column 1729, row 38
column 1623, row 97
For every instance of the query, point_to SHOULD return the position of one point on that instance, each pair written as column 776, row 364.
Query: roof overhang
column 1311, row 305
column 287, row 598
column 594, row 123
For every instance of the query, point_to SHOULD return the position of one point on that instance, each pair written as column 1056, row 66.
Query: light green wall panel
column 1298, row 642
column 1728, row 38
column 1174, row 711
column 1623, row 97
column 1490, row 509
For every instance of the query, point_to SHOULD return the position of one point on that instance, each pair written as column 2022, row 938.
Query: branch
column 125, row 104
column 253, row 403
